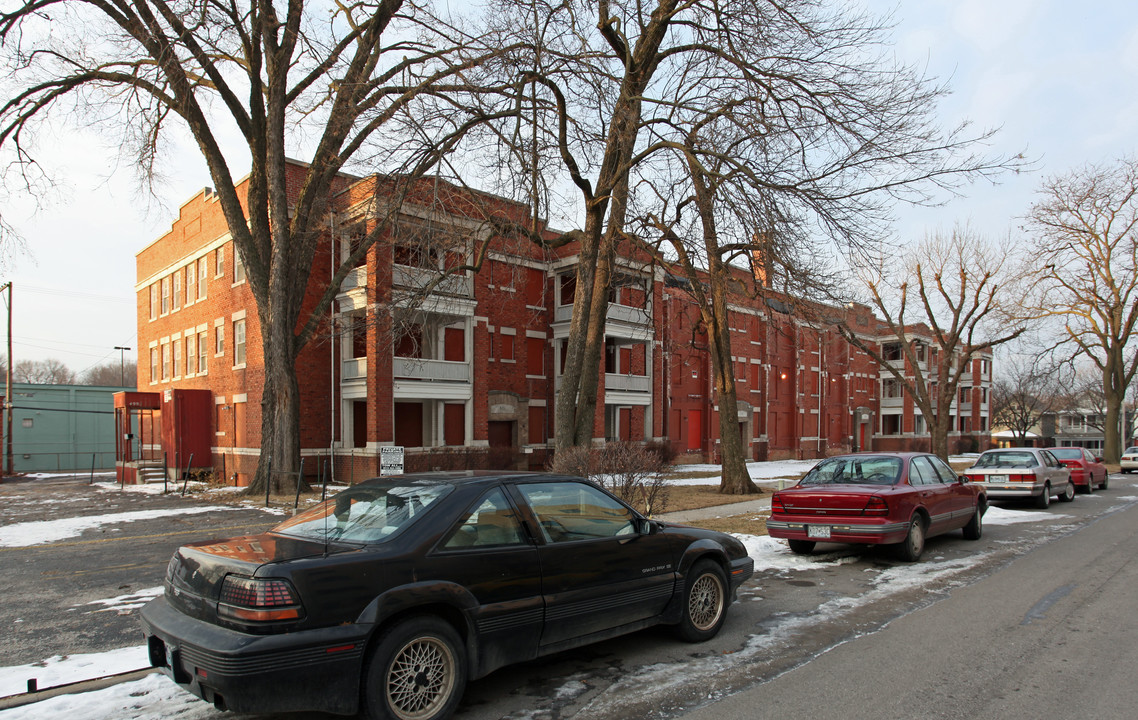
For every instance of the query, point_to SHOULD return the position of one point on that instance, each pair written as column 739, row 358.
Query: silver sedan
column 1022, row 473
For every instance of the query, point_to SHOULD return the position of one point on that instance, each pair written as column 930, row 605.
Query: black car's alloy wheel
column 417, row 672
column 705, row 595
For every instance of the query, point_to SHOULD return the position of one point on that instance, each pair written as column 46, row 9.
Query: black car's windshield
column 870, row 470
column 1068, row 453
column 368, row 513
column 1009, row 459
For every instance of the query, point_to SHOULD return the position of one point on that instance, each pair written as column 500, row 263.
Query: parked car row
column 901, row 499
column 385, row 599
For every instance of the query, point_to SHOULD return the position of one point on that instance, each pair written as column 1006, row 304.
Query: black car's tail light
column 876, row 506
column 258, row 599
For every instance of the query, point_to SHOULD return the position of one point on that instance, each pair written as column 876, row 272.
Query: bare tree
column 1084, row 275
column 957, row 281
column 790, row 103
column 367, row 84
column 112, row 373
column 43, row 372
column 1022, row 395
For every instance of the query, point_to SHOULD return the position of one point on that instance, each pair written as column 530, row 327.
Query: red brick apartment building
column 465, row 371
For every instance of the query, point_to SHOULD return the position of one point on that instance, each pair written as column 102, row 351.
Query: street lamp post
column 122, row 363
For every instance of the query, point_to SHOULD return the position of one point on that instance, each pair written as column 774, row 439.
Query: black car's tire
column 913, row 545
column 802, row 547
column 1043, row 499
column 705, row 602
column 975, row 527
column 417, row 671
column 1069, row 494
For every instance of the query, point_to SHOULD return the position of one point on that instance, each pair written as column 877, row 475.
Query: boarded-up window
column 535, row 356
column 454, row 424
column 536, row 425
column 535, row 288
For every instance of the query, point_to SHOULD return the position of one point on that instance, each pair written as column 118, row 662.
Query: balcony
column 892, row 402
column 353, row 369
column 615, row 313
column 353, row 291
column 447, row 371
column 418, row 279
column 627, row 383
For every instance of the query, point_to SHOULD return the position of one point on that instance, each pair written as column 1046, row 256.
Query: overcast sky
column 1060, row 79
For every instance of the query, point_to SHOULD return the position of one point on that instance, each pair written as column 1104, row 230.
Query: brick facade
column 463, row 371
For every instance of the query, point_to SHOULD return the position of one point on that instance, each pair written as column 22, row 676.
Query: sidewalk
column 759, row 504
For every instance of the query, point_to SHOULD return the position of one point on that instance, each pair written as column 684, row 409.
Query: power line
column 78, row 294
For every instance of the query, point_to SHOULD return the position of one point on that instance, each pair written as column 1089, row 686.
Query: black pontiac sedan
column 388, row 597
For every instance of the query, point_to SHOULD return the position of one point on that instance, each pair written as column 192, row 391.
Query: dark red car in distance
column 877, row 499
column 1087, row 470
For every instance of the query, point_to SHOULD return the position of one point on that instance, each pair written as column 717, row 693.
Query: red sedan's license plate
column 818, row 531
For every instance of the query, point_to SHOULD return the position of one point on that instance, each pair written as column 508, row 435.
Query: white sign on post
column 391, row 460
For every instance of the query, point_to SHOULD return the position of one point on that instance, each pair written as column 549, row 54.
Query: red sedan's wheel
column 975, row 527
column 1105, row 482
column 801, row 547
column 914, row 544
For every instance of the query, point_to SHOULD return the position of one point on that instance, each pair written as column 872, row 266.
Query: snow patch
column 40, row 532
column 126, row 604
column 63, row 669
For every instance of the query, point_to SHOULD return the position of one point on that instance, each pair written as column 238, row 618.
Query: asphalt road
column 51, row 599
column 1050, row 634
column 1031, row 620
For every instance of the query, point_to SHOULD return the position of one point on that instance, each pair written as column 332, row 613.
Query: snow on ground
column 151, row 698
column 126, row 604
column 63, row 669
column 45, row 531
column 1003, row 516
column 789, row 470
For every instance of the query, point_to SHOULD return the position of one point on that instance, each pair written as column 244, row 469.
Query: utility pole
column 8, row 463
column 122, row 364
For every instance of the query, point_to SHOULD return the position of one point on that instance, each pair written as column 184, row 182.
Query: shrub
column 632, row 472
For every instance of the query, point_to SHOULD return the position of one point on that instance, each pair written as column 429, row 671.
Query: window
column 536, row 424
column 535, row 287
column 177, row 350
column 238, row 268
column 153, row 365
column 891, row 351
column 177, row 289
column 239, row 342
column 219, row 340
column 965, row 394
column 492, row 523
column 28, row 422
column 506, row 346
column 165, row 361
column 568, row 511
column 191, row 354
column 165, row 295
column 191, row 289
column 203, row 368
column 219, row 262
column 891, row 388
column 535, row 356
column 153, row 301
column 921, row 473
column 202, row 269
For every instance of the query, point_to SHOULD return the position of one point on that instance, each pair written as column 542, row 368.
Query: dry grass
column 693, row 497
column 754, row 523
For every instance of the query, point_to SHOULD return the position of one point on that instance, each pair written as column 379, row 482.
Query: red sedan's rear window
column 1068, row 453
column 868, row 470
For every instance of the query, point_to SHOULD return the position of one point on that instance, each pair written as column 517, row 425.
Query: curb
column 79, row 686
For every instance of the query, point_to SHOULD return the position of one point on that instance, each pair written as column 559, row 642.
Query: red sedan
column 878, row 499
column 1087, row 471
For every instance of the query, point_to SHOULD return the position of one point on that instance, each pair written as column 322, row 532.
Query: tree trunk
column 735, row 480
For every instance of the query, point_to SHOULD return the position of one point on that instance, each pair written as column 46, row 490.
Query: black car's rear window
column 368, row 513
column 865, row 470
